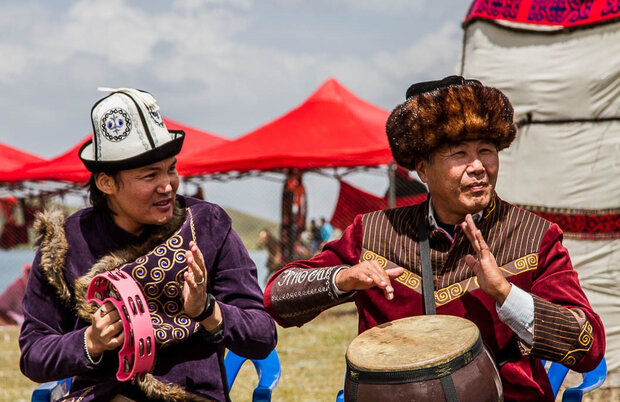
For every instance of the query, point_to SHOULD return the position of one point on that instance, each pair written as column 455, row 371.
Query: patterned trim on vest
column 456, row 290
column 513, row 236
column 562, row 335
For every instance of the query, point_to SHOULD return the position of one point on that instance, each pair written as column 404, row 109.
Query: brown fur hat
column 450, row 110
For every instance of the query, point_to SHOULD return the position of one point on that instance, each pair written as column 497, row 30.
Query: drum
column 406, row 359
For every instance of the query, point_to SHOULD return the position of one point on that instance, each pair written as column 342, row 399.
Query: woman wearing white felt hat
column 198, row 279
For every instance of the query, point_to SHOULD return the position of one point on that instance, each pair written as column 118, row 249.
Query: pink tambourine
column 138, row 352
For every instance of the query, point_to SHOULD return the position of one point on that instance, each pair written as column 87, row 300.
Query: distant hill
column 248, row 226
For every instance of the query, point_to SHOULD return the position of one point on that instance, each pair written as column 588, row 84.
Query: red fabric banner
column 552, row 13
column 352, row 201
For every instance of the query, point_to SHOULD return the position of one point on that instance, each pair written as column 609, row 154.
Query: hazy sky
column 225, row 66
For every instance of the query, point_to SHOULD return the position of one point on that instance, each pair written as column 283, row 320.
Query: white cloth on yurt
column 571, row 166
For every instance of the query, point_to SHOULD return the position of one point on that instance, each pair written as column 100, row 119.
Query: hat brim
column 170, row 148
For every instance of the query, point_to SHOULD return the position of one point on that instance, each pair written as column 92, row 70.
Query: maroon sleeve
column 303, row 289
column 566, row 329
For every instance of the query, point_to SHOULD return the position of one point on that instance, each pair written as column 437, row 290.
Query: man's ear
column 420, row 168
column 105, row 183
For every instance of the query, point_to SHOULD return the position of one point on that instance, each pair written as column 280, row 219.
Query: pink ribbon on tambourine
column 137, row 354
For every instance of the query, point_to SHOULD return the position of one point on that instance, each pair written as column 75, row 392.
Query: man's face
column 144, row 196
column 461, row 178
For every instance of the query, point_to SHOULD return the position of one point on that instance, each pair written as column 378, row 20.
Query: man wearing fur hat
column 198, row 280
column 525, row 297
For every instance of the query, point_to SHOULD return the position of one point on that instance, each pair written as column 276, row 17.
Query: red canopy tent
column 13, row 158
column 69, row 167
column 332, row 128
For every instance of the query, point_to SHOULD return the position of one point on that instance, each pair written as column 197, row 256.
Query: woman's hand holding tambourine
column 106, row 331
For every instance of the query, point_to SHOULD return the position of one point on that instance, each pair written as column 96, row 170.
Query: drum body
column 406, row 359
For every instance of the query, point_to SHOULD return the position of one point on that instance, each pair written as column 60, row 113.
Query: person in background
column 327, row 231
column 501, row 267
column 11, row 299
column 199, row 281
column 315, row 236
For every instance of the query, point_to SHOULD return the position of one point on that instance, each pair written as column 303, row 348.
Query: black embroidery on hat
column 157, row 118
column 115, row 124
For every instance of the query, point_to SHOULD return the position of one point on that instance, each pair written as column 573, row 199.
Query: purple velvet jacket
column 51, row 338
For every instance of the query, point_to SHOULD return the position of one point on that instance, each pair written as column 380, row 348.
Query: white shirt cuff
column 518, row 313
column 336, row 290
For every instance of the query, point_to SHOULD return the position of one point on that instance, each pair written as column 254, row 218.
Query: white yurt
column 559, row 63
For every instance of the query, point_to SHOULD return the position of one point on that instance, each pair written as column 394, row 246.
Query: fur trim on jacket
column 50, row 231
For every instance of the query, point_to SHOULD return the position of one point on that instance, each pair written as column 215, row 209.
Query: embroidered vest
column 391, row 238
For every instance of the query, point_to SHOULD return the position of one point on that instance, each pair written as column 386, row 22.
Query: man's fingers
column 394, row 272
column 472, row 263
column 471, row 231
column 484, row 248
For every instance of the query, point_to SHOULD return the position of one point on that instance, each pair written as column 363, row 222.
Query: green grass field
column 312, row 360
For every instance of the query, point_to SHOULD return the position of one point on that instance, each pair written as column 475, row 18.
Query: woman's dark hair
column 98, row 198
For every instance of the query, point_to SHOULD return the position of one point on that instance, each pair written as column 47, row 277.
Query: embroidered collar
column 433, row 221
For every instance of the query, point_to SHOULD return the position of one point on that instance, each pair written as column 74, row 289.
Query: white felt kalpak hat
column 128, row 132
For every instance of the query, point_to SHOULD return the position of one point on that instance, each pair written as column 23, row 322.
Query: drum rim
column 415, row 375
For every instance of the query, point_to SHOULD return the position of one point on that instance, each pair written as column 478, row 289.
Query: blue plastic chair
column 557, row 373
column 268, row 371
column 51, row 391
column 591, row 381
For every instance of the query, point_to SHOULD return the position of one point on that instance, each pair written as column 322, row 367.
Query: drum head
column 412, row 343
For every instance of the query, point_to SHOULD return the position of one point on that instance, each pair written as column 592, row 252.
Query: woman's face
column 142, row 196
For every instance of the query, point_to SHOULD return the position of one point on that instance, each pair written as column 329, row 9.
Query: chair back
column 267, row 369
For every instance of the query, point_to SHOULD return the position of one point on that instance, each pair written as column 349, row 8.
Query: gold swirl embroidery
column 409, row 279
column 445, row 295
column 182, row 320
column 179, row 256
column 585, row 337
column 172, row 289
column 370, row 256
column 154, row 266
column 179, row 333
column 526, row 263
column 164, row 263
column 585, row 341
column 175, row 241
column 568, row 360
column 157, row 274
column 171, row 308
column 139, row 272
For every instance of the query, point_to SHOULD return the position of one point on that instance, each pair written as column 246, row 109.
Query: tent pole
column 392, row 189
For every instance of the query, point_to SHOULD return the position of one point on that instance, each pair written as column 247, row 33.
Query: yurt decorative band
column 582, row 223
column 558, row 13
